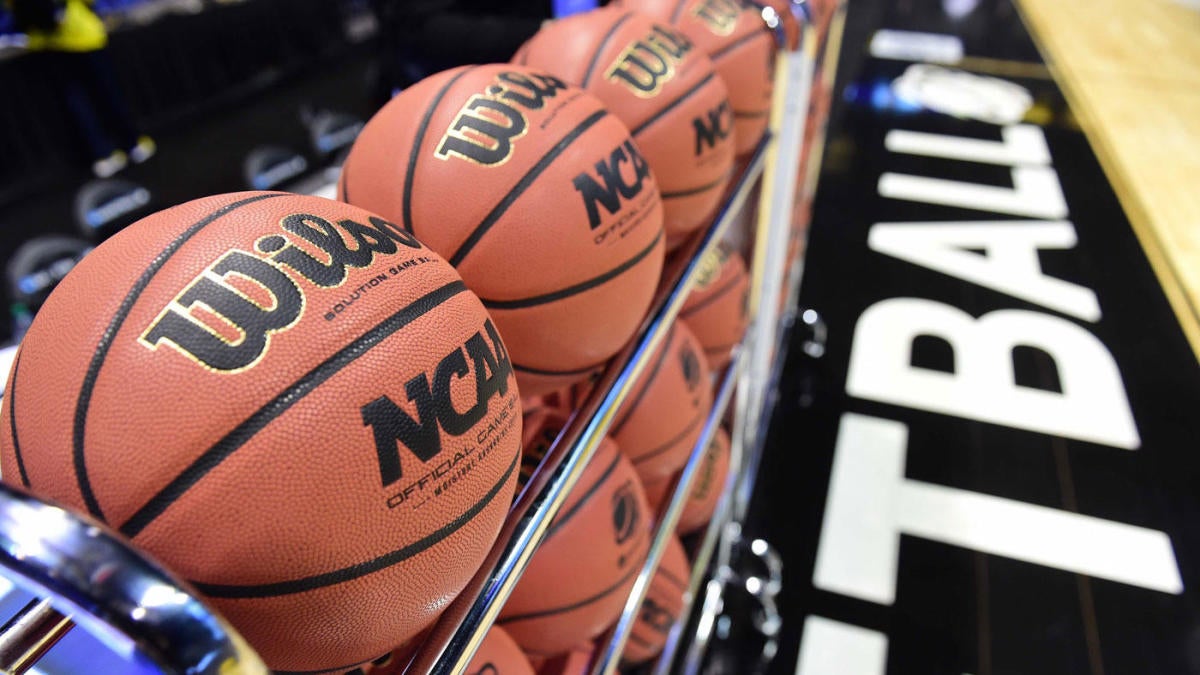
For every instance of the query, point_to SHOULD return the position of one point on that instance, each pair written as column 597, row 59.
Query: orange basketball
column 717, row 310
column 660, row 610
column 288, row 401
column 706, row 487
column 536, row 194
column 661, row 419
column 654, row 79
column 734, row 36
column 577, row 581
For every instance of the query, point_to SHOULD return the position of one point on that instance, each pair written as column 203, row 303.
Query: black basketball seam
column 11, row 395
column 410, row 175
column 672, row 578
column 633, row 569
column 677, row 11
column 673, row 104
column 717, row 294
column 355, row 571
column 697, row 190
column 577, row 288
column 522, row 185
column 750, row 114
column 647, row 378
column 699, row 417
column 716, row 56
column 282, row 402
column 84, row 401
column 566, row 516
column 587, row 74
column 538, row 371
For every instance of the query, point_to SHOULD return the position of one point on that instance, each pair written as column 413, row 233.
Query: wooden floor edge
column 1186, row 312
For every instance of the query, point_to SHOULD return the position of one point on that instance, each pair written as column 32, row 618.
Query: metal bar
column 701, row 564
column 458, row 634
column 29, row 634
column 113, row 591
column 614, row 639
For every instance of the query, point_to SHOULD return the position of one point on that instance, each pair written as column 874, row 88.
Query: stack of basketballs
column 314, row 411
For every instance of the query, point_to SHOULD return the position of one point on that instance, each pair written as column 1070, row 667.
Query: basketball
column 497, row 655
column 661, row 419
column 288, row 401
column 664, row 88
column 742, row 49
column 537, row 196
column 706, row 487
column 578, row 580
column 717, row 310
column 661, row 608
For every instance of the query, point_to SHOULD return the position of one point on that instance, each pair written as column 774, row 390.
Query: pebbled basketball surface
column 210, row 381
column 536, row 193
column 664, row 88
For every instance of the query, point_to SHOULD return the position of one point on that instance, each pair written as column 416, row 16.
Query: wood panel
column 1132, row 73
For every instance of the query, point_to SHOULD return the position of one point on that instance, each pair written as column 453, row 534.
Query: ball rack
column 82, row 572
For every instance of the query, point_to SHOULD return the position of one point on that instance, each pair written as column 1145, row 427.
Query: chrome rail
column 459, row 632
column 90, row 576
column 614, row 639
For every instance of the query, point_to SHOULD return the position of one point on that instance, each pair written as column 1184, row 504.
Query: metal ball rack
column 83, row 573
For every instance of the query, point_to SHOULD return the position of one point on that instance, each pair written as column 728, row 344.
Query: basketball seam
column 522, row 185
column 567, row 515
column 281, row 403
column 410, row 175
column 633, row 569
column 675, row 439
column 537, row 371
column 716, row 295
column 697, row 190
column 110, row 333
column 716, row 56
column 591, row 69
column 750, row 114
column 673, row 104
column 577, row 288
column 362, row 569
column 11, row 395
column 649, row 377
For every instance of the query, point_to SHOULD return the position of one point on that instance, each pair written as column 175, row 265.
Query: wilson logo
column 226, row 316
column 487, row 364
column 609, row 187
column 713, row 127
column 485, row 128
column 719, row 16
column 646, row 65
